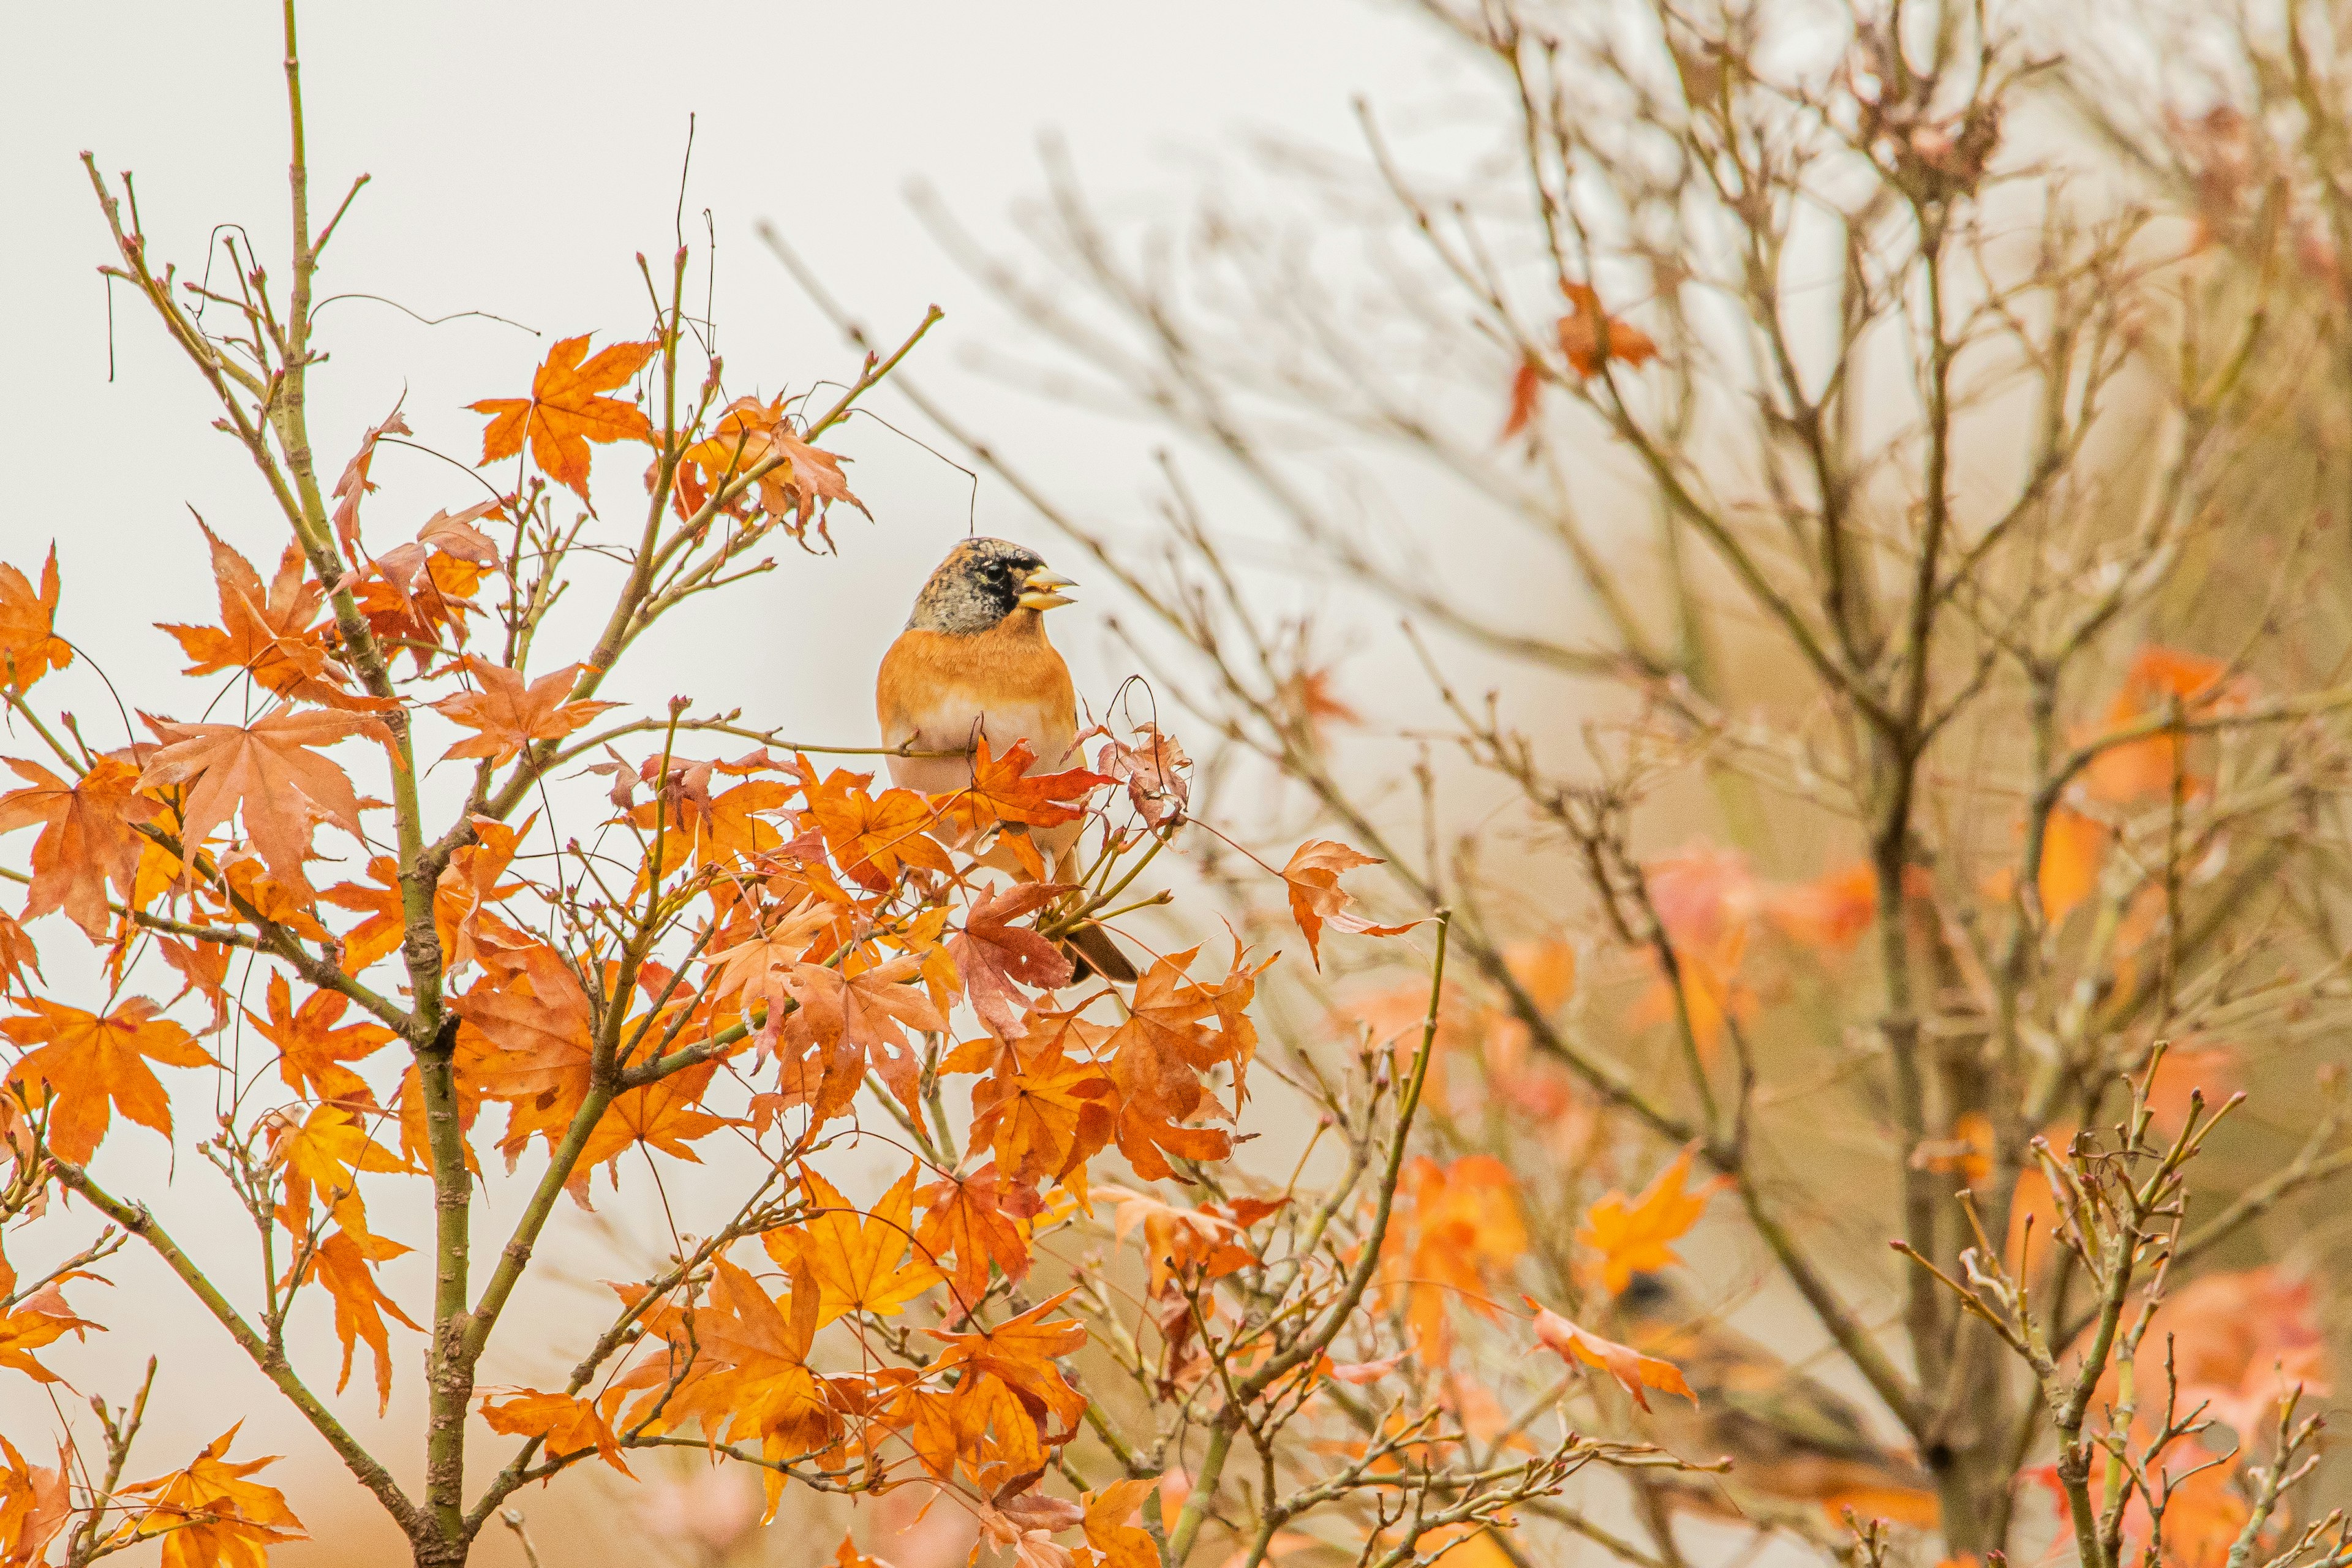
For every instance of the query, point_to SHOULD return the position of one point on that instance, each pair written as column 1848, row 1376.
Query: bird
column 1796, row 1446
column 973, row 664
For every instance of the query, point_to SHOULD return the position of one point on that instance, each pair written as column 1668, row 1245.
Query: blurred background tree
column 1860, row 493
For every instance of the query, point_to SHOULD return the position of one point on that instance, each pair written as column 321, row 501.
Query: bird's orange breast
column 941, row 692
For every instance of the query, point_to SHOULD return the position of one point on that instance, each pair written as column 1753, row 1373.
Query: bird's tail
column 1092, row 951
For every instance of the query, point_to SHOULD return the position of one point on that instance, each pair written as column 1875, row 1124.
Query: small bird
column 974, row 663
column 1799, row 1450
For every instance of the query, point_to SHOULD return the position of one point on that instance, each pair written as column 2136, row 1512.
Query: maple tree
column 368, row 947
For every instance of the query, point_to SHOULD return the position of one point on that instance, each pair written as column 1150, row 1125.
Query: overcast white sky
column 521, row 155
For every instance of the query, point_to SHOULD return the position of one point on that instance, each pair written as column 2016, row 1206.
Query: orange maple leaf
column 1631, row 1369
column 744, row 1359
column 1636, row 1236
column 343, row 1263
column 666, row 1115
column 1003, row 789
column 750, row 433
column 857, row 1256
column 86, row 1060
column 324, row 1153
column 978, row 1219
column 563, row 412
column 1589, row 338
column 1021, row 1353
column 1153, row 768
column 311, row 1047
column 860, row 1016
column 17, row 955
column 30, row 646
column 1466, row 1232
column 41, row 1317
column 269, row 769
column 1120, row 1544
column 569, row 1424
column 88, row 837
column 1158, row 1055
column 2158, row 677
column 509, row 715
column 354, row 482
column 268, row 633
column 872, row 837
column 210, row 1516
column 1044, row 1117
column 34, row 1504
column 1316, row 898
column 541, row 1034
column 990, row 953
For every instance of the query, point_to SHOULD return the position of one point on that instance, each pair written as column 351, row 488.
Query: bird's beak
column 1039, row 590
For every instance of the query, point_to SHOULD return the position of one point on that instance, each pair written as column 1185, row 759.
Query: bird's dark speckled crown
column 976, row 586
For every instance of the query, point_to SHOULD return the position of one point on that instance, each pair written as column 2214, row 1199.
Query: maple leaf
column 30, row 646
column 1121, row 1544
column 748, row 1376
column 40, row 1318
column 203, row 968
column 1466, row 1234
column 1636, row 1237
column 1153, row 768
column 417, row 594
column 311, row 1049
column 2073, row 846
column 666, row 1115
column 569, row 1425
column 509, row 715
column 744, row 966
column 992, row 953
column 1042, row 1118
column 324, row 1153
column 1158, row 1055
column 355, row 483
column 2158, row 679
column 977, row 1219
column 268, row 633
column 344, row 1263
column 269, row 771
column 1829, row 913
column 1003, row 790
column 86, row 1060
column 858, row 1258
column 564, row 411
column 454, row 533
column 872, row 837
column 2238, row 1341
column 750, row 433
column 1317, row 899
column 1180, row 1241
column 17, row 955
column 846, row 1556
column 1633, row 1370
column 1591, row 337
column 537, row 1024
column 862, row 1012
column 36, row 1503
column 1020, row 1351
column 88, row 837
column 209, row 1515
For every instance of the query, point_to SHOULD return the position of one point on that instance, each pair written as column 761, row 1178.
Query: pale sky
column 521, row 155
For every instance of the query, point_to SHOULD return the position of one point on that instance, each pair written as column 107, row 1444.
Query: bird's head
column 981, row 582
